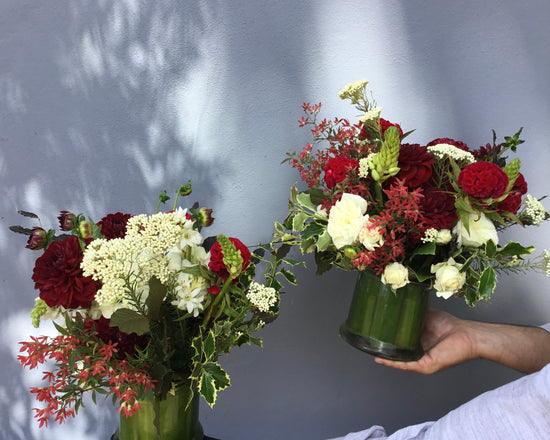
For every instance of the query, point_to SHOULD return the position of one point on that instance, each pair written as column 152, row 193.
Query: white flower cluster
column 371, row 115
column 261, row 296
column 534, row 210
column 442, row 151
column 158, row 246
column 364, row 167
column 353, row 90
column 441, row 236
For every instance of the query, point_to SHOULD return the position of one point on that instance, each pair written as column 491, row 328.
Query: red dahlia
column 58, row 277
column 483, row 179
column 415, row 165
column 114, row 225
column 438, row 208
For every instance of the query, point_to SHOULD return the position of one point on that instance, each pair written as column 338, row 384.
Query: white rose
column 443, row 236
column 345, row 219
column 396, row 275
column 448, row 279
column 370, row 235
column 481, row 231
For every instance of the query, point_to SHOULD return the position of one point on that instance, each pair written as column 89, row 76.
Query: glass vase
column 177, row 420
column 384, row 322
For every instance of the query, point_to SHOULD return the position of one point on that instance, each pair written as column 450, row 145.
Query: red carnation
column 114, row 225
column 126, row 342
column 58, row 277
column 216, row 264
column 483, row 179
column 415, row 165
column 337, row 169
column 384, row 125
column 457, row 144
column 438, row 208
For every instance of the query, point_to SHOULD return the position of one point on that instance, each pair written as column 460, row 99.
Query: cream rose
column 481, row 231
column 396, row 275
column 370, row 235
column 448, row 279
column 345, row 219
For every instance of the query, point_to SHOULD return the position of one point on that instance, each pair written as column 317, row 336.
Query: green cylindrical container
column 384, row 322
column 177, row 420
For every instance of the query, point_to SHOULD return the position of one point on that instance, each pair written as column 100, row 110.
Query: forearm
column 523, row 348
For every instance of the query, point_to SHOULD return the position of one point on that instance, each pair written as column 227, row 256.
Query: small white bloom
column 442, row 151
column 481, row 230
column 346, row 219
column 353, row 90
column 364, row 167
column 448, row 278
column 261, row 296
column 322, row 211
column 370, row 235
column 442, row 236
column 396, row 275
column 371, row 115
column 534, row 210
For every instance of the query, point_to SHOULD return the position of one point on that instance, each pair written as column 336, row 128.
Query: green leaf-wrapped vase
column 177, row 420
column 384, row 322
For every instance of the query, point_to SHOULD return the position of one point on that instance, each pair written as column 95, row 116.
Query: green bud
column 204, row 217
column 85, row 229
column 350, row 252
column 186, row 189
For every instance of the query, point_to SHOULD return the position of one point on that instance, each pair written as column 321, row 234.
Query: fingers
column 415, row 366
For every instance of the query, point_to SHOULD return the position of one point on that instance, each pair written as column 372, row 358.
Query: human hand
column 446, row 341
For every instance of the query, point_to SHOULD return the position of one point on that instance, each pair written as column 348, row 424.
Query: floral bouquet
column 144, row 306
column 408, row 213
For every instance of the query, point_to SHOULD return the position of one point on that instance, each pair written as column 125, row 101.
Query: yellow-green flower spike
column 512, row 171
column 232, row 257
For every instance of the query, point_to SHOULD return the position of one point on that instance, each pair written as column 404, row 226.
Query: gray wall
column 103, row 104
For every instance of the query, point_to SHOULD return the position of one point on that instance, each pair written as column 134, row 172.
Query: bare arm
column 448, row 341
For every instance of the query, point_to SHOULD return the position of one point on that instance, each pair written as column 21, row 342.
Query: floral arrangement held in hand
column 429, row 214
column 145, row 303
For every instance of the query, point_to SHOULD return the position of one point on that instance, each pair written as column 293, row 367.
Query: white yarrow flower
column 261, row 296
column 534, row 210
column 442, row 151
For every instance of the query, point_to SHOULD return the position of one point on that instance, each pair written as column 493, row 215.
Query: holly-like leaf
column 209, row 346
column 130, row 321
column 213, row 379
column 304, row 199
column 425, row 249
column 289, row 276
column 299, row 221
column 514, row 248
column 487, row 283
column 491, row 249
